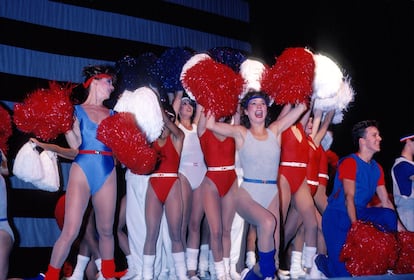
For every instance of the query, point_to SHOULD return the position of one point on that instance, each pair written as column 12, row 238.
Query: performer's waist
column 164, row 175
column 259, row 181
column 3, row 219
column 95, row 152
column 192, row 163
column 221, row 168
column 293, row 164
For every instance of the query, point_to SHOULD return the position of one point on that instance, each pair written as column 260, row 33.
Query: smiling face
column 256, row 109
column 372, row 139
column 186, row 109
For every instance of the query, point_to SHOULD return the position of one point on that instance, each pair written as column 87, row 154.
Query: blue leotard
column 96, row 167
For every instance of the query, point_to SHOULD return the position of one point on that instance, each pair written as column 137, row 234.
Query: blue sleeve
column 403, row 171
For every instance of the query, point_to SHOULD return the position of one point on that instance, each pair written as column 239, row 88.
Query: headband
column 88, row 82
column 407, row 138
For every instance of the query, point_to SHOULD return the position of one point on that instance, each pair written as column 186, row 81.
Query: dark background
column 370, row 40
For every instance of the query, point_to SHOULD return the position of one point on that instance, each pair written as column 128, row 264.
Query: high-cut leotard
column 165, row 175
column 220, row 159
column 260, row 162
column 4, row 222
column 96, row 167
column 294, row 157
column 192, row 164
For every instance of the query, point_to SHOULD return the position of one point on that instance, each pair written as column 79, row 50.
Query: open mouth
column 258, row 114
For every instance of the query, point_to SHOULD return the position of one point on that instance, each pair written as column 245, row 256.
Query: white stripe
column 293, row 164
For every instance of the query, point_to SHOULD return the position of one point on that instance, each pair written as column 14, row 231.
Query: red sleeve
column 347, row 169
column 381, row 180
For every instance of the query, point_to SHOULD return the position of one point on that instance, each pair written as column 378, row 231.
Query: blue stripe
column 24, row 62
column 73, row 18
column 258, row 181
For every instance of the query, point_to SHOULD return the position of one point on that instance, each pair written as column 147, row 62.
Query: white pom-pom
column 50, row 180
column 190, row 63
column 27, row 165
column 251, row 70
column 328, row 77
column 144, row 104
column 345, row 95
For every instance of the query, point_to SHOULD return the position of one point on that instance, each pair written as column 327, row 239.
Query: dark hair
column 359, row 130
column 254, row 94
column 93, row 70
column 244, row 119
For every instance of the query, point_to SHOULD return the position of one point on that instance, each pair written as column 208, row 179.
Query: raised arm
column 176, row 103
column 225, row 129
column 284, row 122
column 319, row 132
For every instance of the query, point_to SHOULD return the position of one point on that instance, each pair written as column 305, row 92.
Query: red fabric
column 290, row 79
column 128, row 143
column 108, row 269
column 369, row 251
column 60, row 211
column 52, row 273
column 5, row 129
column 45, row 112
column 215, row 86
column 405, row 262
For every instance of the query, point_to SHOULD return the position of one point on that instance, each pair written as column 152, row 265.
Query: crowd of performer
column 227, row 164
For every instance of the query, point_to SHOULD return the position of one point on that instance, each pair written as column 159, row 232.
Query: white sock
column 220, row 269
column 192, row 259
column 148, row 267
column 81, row 264
column 250, row 259
column 98, row 263
column 308, row 254
column 179, row 264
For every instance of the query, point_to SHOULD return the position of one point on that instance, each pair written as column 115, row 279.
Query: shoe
column 131, row 273
column 244, row 273
column 283, row 274
column 40, row 276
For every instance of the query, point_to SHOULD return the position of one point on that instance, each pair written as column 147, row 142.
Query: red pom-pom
column 5, row 129
column 121, row 133
column 369, row 251
column 290, row 79
column 46, row 112
column 215, row 86
column 405, row 262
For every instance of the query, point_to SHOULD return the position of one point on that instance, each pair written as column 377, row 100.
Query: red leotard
column 323, row 168
column 219, row 154
column 294, row 153
column 169, row 162
column 312, row 169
